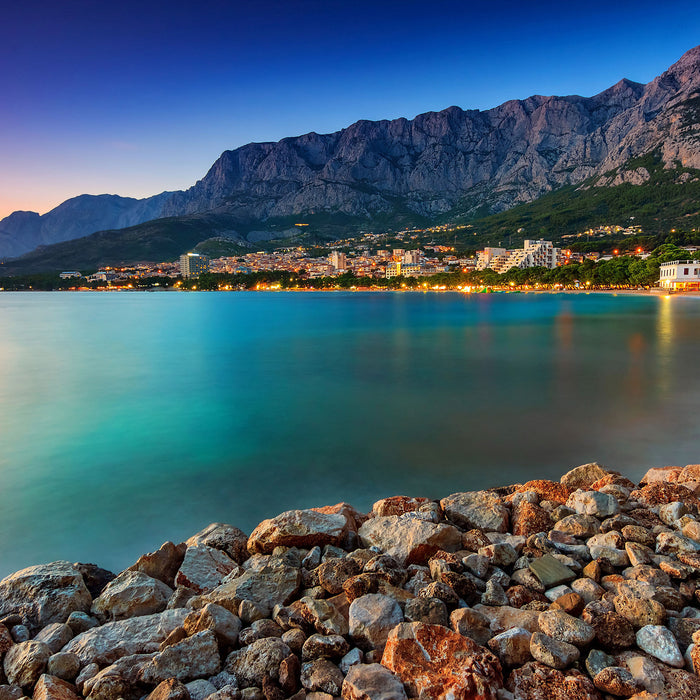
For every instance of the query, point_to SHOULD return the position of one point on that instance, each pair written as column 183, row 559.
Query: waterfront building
column 411, row 257
column 73, row 274
column 487, row 255
column 393, row 269
column 193, row 265
column 534, row 253
column 338, row 261
column 680, row 275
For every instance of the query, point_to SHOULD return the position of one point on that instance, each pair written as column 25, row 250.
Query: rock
column 657, row 493
column 372, row 682
column 321, row 616
column 331, row 646
column 578, row 525
column 95, row 577
column 616, row 681
column 140, row 635
column 683, row 630
column 470, row 623
column 51, row 688
column 596, row 661
column 20, row 633
column 129, row 595
column 645, row 672
column 552, row 491
column 63, row 665
column 550, row 571
column 512, row 646
column 299, row 528
column 10, row 692
column 432, row 611
column 433, row 661
column 565, row 628
column 55, row 636
column 200, row 689
column 194, row 657
column 661, row 644
column 204, row 568
column 162, row 564
column 25, row 662
column 397, row 505
column 44, row 594
column 476, row 509
column 322, row 675
column 504, row 618
column 601, row 505
column 120, row 680
column 260, row 659
column 617, row 557
column 535, row 681
column 226, row 538
column 640, row 612
column 494, row 594
column 529, row 519
column 499, row 554
column 571, row 603
column 276, row 583
column 333, row 573
column 371, row 619
column 81, row 622
column 551, row 652
column 170, row 689
column 613, row 631
column 582, row 477
column 661, row 474
column 672, row 543
column 409, row 538
column 225, row 625
column 87, row 673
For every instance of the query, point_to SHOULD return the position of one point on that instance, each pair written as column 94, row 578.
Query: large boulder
column 299, row 528
column 131, row 594
column 227, row 538
column 276, row 583
column 476, row 509
column 409, row 538
column 163, row 563
column 139, row 635
column 433, row 661
column 194, row 657
column 25, row 662
column 204, row 568
column 44, row 594
column 582, row 477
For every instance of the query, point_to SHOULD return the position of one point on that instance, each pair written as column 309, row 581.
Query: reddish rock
column 657, row 474
column 434, row 662
column 529, row 519
column 398, row 505
column 172, row 689
column 535, row 681
column 333, row 573
column 52, row 688
column 355, row 518
column 661, row 492
column 521, row 595
column 612, row 480
column 299, row 528
column 571, row 603
column 547, row 490
column 474, row 540
column 613, row 632
column 689, row 473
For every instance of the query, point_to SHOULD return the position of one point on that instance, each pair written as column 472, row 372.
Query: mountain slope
column 440, row 164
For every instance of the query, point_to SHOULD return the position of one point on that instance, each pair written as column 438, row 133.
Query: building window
column 685, row 270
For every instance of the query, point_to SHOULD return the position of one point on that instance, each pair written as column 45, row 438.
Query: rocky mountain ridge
column 440, row 162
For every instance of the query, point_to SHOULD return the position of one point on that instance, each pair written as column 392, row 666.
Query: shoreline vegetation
column 586, row 587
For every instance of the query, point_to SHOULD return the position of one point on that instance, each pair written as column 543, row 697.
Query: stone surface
column 63, row 665
column 162, row 564
column 204, row 568
column 55, row 636
column 601, row 505
column 322, row 675
column 470, row 623
column 299, row 528
column 432, row 611
column 225, row 625
column 661, row 644
column 583, row 476
column 512, row 647
column 51, row 688
column 639, row 611
column 535, row 681
column 109, row 642
column 200, row 689
column 565, row 628
column 397, row 505
column 551, row 652
column 476, row 509
column 262, row 658
column 194, row 657
column 25, row 662
column 372, row 682
column 44, row 594
column 170, row 689
column 616, row 681
column 613, row 632
column 550, row 571
column 131, row 594
column 227, row 538
column 371, row 619
column 331, row 646
column 435, row 662
column 409, row 538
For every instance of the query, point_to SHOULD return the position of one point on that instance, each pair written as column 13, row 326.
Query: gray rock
column 432, row 611
column 601, row 505
column 372, row 682
column 660, row 643
column 331, row 646
column 476, row 509
column 322, row 675
column 55, row 636
column 565, row 628
column 200, row 689
column 131, row 594
column 20, row 633
column 140, row 635
column 262, row 658
column 227, row 538
column 578, row 525
column 494, row 594
column 371, row 618
column 63, row 665
column 225, row 625
column 549, row 571
column 352, row 658
column 559, row 655
column 194, row 657
column 471, row 623
column 81, row 622
column 86, row 674
column 44, row 594
column 582, row 477
column 204, row 568
column 597, row 660
column 512, row 646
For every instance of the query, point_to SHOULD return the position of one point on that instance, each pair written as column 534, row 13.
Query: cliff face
column 430, row 165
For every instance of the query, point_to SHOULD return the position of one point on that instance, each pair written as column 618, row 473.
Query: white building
column 680, row 275
column 411, row 257
column 338, row 261
column 534, row 253
column 487, row 255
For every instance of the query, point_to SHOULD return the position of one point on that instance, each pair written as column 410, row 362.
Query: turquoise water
column 128, row 419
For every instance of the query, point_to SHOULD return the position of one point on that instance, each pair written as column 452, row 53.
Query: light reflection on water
column 130, row 419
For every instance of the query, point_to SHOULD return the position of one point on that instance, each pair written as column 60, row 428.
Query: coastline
column 588, row 586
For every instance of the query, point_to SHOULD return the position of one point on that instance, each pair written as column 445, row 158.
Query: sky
column 134, row 98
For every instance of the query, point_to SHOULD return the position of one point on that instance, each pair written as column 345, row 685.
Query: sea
column 132, row 418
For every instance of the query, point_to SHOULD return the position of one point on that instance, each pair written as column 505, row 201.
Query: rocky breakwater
column 582, row 589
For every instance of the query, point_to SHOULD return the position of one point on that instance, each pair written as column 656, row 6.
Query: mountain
column 23, row 231
column 453, row 163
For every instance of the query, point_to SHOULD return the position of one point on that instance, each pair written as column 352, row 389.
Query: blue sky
column 134, row 98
